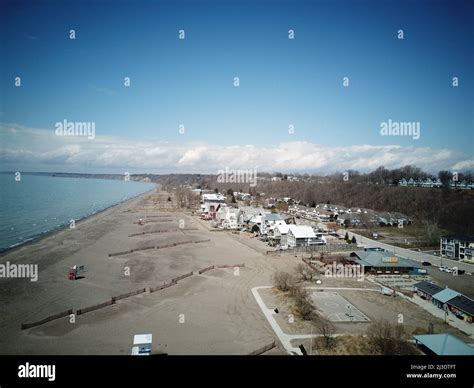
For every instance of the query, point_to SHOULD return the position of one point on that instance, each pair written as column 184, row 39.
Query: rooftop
column 463, row 303
column 445, row 295
column 445, row 344
column 383, row 259
column 212, row 197
column 302, row 231
column 461, row 237
column 428, row 287
column 273, row 217
column 283, row 228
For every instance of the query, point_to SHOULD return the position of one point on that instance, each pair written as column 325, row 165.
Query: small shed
column 142, row 344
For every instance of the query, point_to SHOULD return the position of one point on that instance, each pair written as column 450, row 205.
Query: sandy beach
column 209, row 313
column 212, row 313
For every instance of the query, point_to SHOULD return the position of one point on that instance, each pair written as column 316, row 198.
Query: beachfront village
column 183, row 270
column 327, row 238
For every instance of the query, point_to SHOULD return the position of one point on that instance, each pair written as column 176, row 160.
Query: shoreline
column 219, row 299
column 52, row 232
column 109, row 330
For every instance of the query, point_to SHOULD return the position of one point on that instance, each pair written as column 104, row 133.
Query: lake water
column 38, row 204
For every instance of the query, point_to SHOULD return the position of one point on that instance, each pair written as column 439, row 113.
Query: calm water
column 38, row 204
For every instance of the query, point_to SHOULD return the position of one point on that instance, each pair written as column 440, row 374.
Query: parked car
column 443, row 268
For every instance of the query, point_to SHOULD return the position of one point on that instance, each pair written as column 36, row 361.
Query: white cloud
column 464, row 165
column 42, row 150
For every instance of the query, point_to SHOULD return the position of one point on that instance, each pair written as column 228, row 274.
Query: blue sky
column 282, row 82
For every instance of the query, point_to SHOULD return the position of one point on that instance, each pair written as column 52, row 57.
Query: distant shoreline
column 43, row 235
column 113, row 177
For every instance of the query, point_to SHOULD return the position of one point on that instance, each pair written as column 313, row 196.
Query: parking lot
column 403, row 282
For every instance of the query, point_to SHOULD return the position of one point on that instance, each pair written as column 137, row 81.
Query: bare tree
column 388, row 339
column 303, row 303
column 191, row 198
column 432, row 232
column 332, row 227
column 445, row 176
column 283, row 281
column 299, row 293
column 295, row 289
column 305, row 271
column 305, row 309
column 327, row 329
column 181, row 196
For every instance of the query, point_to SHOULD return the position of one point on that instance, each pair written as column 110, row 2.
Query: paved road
column 409, row 254
column 284, row 338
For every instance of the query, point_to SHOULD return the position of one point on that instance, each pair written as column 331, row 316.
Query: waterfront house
column 303, row 235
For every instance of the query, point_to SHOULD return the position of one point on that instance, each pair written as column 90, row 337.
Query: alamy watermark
column 75, row 128
column 335, row 270
column 9, row 270
column 403, row 128
column 237, row 176
column 28, row 370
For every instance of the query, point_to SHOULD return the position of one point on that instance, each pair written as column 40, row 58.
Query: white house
column 280, row 233
column 219, row 198
column 303, row 235
column 268, row 220
column 229, row 217
column 250, row 212
column 233, row 219
column 255, row 220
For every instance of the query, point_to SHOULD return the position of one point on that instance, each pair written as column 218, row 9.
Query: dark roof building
column 462, row 306
column 459, row 237
column 427, row 288
column 458, row 304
